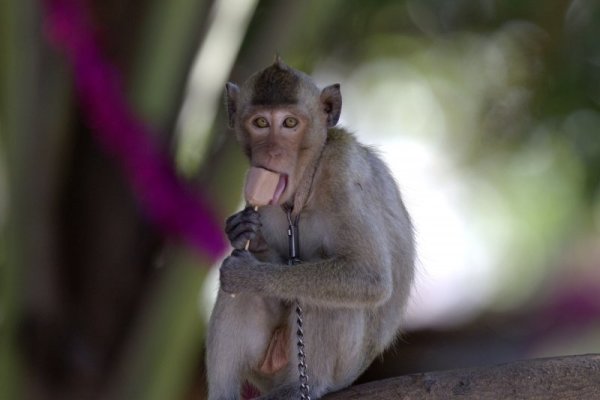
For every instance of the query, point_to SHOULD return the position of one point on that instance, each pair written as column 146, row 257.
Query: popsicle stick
column 248, row 242
column 246, row 247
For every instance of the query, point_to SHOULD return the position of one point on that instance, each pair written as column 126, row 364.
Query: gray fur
column 357, row 247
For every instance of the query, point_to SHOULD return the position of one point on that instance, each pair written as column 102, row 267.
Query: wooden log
column 559, row 378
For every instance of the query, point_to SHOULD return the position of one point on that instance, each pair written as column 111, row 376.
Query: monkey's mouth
column 281, row 185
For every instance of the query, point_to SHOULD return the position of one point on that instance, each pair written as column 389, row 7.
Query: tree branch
column 564, row 378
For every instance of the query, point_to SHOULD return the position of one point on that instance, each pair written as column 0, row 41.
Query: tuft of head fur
column 278, row 84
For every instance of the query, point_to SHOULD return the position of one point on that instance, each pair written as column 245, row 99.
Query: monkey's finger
column 233, row 217
column 250, row 214
column 243, row 227
column 239, row 242
column 246, row 212
column 232, row 221
column 235, row 220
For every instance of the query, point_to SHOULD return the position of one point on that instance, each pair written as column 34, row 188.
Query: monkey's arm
column 334, row 282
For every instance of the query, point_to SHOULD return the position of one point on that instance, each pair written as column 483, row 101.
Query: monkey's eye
column 261, row 122
column 290, row 122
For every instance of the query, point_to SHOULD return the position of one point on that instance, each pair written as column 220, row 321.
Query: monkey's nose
column 275, row 153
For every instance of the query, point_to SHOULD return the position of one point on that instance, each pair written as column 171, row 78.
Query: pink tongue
column 279, row 189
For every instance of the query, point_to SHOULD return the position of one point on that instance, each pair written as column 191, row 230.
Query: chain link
column 304, row 388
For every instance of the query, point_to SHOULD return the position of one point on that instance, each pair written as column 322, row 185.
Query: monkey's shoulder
column 360, row 165
column 343, row 148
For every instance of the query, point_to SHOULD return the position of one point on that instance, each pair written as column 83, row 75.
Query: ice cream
column 262, row 187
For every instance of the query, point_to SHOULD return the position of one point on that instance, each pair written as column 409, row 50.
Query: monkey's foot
column 249, row 392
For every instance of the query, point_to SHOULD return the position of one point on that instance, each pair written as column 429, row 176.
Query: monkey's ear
column 331, row 99
column 231, row 97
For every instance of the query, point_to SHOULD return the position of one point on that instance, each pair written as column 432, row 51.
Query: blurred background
column 487, row 111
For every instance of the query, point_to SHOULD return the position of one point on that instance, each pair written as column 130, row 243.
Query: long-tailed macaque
column 356, row 247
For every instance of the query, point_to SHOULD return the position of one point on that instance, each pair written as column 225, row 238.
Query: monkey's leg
column 323, row 354
column 287, row 391
column 290, row 391
column 335, row 351
column 239, row 332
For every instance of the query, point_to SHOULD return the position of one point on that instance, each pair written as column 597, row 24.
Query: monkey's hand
column 242, row 227
column 236, row 273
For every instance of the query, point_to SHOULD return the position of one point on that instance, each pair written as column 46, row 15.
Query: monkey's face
column 281, row 119
column 281, row 139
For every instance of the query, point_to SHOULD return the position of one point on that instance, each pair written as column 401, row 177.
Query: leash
column 293, row 243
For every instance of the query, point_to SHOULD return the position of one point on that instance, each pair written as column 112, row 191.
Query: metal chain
column 293, row 260
column 304, row 388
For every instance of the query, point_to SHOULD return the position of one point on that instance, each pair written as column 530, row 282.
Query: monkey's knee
column 293, row 391
column 223, row 384
column 289, row 391
column 222, row 397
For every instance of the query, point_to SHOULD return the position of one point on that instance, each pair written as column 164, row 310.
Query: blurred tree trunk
column 78, row 244
column 562, row 378
column 97, row 319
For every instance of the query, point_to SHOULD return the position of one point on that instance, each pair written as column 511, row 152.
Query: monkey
column 356, row 246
